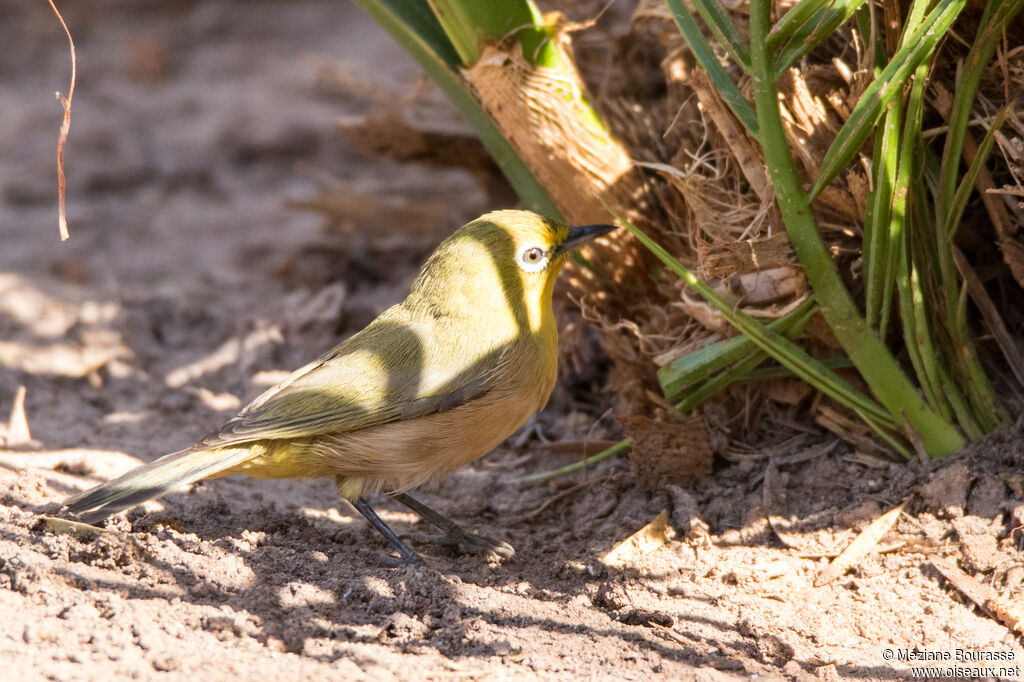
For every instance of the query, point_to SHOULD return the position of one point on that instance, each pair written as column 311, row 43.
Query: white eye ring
column 532, row 258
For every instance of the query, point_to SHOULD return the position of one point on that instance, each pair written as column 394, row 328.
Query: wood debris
column 18, row 433
column 1009, row 613
column 649, row 538
column 860, row 547
column 78, row 529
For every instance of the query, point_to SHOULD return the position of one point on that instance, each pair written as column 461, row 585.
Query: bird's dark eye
column 532, row 258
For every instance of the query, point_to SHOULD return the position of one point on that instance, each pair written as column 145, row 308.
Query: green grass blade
column 695, row 398
column 575, row 466
column 720, row 23
column 742, row 369
column 699, row 366
column 961, row 407
column 894, row 164
column 798, row 16
column 412, row 24
column 999, row 14
column 985, row 408
column 878, row 244
column 779, row 372
column 890, row 83
column 888, row 437
column 917, row 338
column 696, row 367
column 887, row 203
column 817, row 28
column 701, row 49
column 955, row 209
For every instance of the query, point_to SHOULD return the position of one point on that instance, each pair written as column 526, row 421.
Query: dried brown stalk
column 65, row 127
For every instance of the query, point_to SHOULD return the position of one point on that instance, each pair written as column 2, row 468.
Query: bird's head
column 504, row 259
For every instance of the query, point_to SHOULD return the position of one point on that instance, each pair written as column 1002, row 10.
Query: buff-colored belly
column 399, row 455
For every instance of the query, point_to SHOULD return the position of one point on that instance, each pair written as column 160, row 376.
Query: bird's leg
column 408, row 556
column 454, row 534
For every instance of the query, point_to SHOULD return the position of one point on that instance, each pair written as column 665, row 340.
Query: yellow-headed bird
column 433, row 383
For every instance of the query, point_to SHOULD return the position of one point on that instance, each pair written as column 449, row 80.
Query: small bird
column 435, row 382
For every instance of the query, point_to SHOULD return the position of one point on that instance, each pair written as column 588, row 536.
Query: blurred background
column 222, row 221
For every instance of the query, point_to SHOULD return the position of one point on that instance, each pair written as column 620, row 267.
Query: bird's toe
column 471, row 543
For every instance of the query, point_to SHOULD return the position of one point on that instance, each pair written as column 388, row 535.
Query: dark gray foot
column 455, row 536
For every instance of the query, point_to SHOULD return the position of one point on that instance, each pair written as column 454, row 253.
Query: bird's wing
column 385, row 373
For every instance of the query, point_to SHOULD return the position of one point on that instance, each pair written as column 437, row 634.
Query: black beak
column 582, row 234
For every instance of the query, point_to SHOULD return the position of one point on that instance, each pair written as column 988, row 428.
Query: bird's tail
column 153, row 480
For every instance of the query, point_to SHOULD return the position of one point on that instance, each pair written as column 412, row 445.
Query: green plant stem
column 879, row 251
column 873, row 360
column 575, row 466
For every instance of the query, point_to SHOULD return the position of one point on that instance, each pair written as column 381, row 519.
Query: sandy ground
column 188, row 286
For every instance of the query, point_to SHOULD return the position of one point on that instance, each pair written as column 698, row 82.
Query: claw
column 464, row 542
column 455, row 536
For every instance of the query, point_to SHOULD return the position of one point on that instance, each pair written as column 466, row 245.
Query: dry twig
column 65, row 126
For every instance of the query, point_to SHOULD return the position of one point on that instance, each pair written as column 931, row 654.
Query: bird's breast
column 405, row 454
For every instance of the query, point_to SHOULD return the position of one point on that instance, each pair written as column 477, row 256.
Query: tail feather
column 153, row 480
